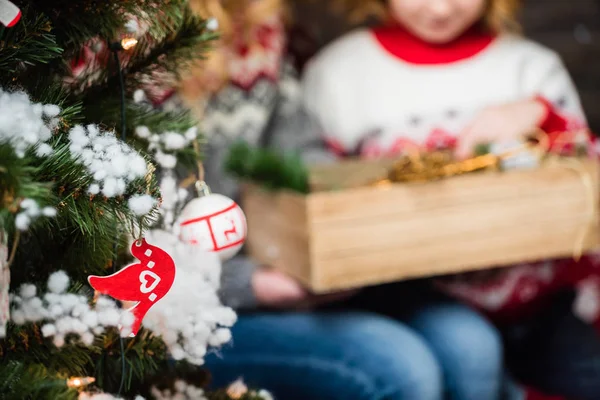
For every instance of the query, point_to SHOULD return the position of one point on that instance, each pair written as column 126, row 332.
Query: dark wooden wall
column 571, row 27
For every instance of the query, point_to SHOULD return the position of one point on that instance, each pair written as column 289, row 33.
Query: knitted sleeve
column 546, row 78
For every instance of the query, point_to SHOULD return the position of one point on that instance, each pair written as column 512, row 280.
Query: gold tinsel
column 419, row 166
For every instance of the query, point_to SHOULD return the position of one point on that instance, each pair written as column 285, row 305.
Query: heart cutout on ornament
column 143, row 283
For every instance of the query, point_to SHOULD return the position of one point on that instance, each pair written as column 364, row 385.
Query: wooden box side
column 277, row 230
column 371, row 235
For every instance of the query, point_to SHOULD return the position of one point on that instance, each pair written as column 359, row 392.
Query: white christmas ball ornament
column 215, row 223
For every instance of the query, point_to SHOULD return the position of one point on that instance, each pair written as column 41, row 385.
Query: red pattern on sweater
column 249, row 63
column 519, row 291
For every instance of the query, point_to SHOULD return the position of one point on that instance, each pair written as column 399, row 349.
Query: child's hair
column 500, row 15
column 234, row 17
column 246, row 13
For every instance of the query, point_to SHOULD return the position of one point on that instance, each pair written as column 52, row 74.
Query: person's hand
column 275, row 289
column 501, row 124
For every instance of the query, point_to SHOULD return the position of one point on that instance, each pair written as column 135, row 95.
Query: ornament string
column 201, row 187
column 140, row 222
column 200, row 166
column 116, row 47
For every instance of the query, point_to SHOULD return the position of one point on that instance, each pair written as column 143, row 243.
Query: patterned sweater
column 380, row 92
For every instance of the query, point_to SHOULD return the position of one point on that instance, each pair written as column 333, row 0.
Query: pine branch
column 21, row 381
column 16, row 183
column 144, row 356
column 169, row 58
column 76, row 22
column 160, row 121
column 177, row 52
column 81, row 238
column 267, row 168
column 26, row 44
column 16, row 180
column 157, row 121
column 108, row 111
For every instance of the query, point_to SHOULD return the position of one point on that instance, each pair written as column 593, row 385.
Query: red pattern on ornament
column 207, row 220
column 10, row 14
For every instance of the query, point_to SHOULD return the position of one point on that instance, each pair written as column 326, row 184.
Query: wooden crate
column 369, row 235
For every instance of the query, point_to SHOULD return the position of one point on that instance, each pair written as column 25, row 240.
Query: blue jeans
column 441, row 351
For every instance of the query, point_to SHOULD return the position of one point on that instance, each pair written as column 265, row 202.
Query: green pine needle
column 267, row 168
column 25, row 45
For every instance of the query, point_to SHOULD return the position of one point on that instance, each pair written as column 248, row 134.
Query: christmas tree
column 87, row 177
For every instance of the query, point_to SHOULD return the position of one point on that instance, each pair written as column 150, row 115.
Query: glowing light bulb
column 78, row 382
column 237, row 389
column 128, row 43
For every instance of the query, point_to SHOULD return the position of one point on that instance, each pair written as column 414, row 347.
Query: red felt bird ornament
column 145, row 282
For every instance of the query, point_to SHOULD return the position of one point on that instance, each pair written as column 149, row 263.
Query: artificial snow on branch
column 161, row 144
column 141, row 205
column 182, row 391
column 190, row 318
column 67, row 313
column 112, row 163
column 26, row 125
column 173, row 198
column 30, row 211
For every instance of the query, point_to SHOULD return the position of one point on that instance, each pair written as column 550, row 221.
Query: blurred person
column 453, row 74
column 293, row 343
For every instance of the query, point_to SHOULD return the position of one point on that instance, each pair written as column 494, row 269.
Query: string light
column 127, row 43
column 79, row 382
column 237, row 389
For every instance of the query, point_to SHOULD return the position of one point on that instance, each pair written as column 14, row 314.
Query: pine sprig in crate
column 357, row 223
